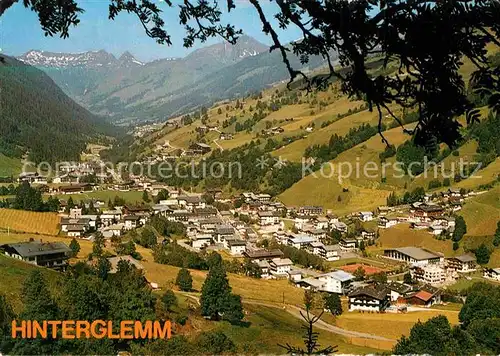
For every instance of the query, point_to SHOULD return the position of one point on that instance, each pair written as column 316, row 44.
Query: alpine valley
column 126, row 89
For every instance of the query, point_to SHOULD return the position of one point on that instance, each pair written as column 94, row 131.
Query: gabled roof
column 192, row 199
column 76, row 227
column 266, row 214
column 201, row 144
column 34, row 248
column 335, row 247
column 399, row 287
column 75, row 221
column 261, row 253
column 132, row 217
column 379, row 293
column 339, row 275
column 236, row 243
column 313, row 282
column 416, row 253
column 465, row 258
column 423, row 295
column 282, row 262
column 114, row 262
column 302, row 239
column 224, row 230
column 316, row 244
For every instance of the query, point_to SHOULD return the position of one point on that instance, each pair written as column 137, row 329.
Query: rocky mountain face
column 125, row 89
column 95, row 59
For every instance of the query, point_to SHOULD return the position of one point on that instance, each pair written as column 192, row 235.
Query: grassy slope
column 390, row 325
column 486, row 175
column 450, row 166
column 265, row 327
column 9, row 166
column 28, row 221
column 250, row 288
column 365, row 193
column 482, row 212
column 13, row 274
column 295, row 150
column 271, row 326
column 401, row 236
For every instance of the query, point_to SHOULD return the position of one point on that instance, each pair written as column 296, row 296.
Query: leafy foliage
column 184, row 280
column 168, row 299
column 216, row 298
column 496, row 239
column 75, row 247
column 436, row 337
column 338, row 144
column 302, row 257
column 460, row 228
column 395, row 30
column 215, row 343
column 332, row 303
column 477, row 333
column 28, row 198
column 483, row 254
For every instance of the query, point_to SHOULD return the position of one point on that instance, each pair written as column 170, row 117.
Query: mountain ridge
column 38, row 118
column 126, row 91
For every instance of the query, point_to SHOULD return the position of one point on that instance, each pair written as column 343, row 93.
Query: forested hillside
column 38, row 118
column 127, row 90
column 270, row 134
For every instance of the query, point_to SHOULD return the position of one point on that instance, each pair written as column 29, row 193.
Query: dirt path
column 295, row 311
column 217, row 143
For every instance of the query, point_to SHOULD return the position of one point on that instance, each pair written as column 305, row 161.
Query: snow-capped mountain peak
column 53, row 59
column 127, row 59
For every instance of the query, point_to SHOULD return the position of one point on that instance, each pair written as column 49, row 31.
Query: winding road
column 295, row 311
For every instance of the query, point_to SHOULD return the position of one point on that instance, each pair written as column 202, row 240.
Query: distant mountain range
column 127, row 90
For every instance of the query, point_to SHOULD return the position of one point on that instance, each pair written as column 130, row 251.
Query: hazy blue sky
column 20, row 31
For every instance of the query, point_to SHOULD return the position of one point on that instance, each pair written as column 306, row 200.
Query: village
column 258, row 228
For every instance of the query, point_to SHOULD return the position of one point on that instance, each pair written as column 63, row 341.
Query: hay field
column 29, row 221
column 482, row 212
column 402, row 236
column 389, row 325
column 295, row 150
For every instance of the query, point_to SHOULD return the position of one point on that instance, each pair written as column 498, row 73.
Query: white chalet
column 201, row 241
column 372, row 299
column 492, row 273
column 366, row 216
column 280, row 266
column 236, row 247
column 336, row 282
column 268, row 218
column 301, row 241
column 386, row 222
column 330, row 252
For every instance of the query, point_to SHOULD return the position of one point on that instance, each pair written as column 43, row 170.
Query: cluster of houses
column 362, row 295
column 206, row 226
column 434, row 214
column 274, row 131
column 430, row 267
column 71, row 173
column 110, row 222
